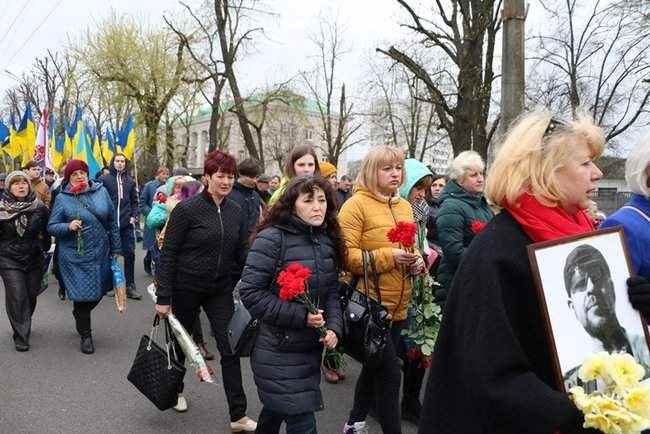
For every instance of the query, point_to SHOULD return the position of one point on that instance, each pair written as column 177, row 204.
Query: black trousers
column 379, row 385
column 269, row 423
column 219, row 309
column 81, row 312
column 21, row 290
column 128, row 251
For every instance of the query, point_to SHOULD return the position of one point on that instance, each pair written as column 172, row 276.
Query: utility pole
column 512, row 68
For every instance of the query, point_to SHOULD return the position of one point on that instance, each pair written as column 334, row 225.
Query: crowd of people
column 234, row 229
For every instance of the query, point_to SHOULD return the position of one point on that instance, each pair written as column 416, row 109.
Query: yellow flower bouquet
column 622, row 404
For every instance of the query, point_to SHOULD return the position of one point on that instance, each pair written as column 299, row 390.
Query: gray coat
column 287, row 355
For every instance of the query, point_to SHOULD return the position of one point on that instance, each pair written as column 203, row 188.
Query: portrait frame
column 569, row 347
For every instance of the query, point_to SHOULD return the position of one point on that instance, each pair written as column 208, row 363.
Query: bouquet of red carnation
column 404, row 234
column 77, row 190
column 477, row 226
column 293, row 286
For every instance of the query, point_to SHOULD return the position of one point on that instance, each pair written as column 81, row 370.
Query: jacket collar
column 244, row 189
column 378, row 197
column 296, row 225
column 641, row 202
column 208, row 198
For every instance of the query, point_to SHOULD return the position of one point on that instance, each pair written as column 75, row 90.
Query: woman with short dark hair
column 201, row 261
column 301, row 228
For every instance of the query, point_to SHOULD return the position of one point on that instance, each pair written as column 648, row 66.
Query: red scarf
column 544, row 223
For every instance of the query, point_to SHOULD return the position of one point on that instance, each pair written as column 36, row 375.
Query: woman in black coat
column 201, row 260
column 492, row 369
column 23, row 240
column 301, row 228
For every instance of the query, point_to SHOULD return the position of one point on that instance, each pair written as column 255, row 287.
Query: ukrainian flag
column 94, row 152
column 57, row 151
column 27, row 136
column 4, row 137
column 108, row 147
column 126, row 139
column 13, row 148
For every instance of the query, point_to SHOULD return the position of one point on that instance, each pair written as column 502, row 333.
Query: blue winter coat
column 87, row 277
column 146, row 202
column 637, row 232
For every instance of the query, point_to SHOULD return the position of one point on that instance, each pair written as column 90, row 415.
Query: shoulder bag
column 366, row 322
column 243, row 328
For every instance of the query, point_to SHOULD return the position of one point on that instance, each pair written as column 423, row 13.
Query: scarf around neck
column 545, row 223
column 13, row 208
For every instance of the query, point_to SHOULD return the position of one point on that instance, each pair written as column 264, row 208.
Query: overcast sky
column 285, row 49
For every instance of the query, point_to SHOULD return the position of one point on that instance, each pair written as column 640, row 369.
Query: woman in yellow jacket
column 365, row 220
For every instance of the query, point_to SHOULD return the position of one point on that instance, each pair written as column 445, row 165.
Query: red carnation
column 413, row 354
column 293, row 282
column 425, row 363
column 78, row 188
column 403, row 233
column 160, row 197
column 477, row 226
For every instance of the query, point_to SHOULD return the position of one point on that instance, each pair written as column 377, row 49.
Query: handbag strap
column 368, row 262
column 376, row 281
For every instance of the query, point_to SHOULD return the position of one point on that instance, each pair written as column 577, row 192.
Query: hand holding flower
column 403, row 257
column 315, row 320
column 75, row 225
column 330, row 340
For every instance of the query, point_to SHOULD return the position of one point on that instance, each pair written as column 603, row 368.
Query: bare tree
column 600, row 62
column 464, row 33
column 335, row 110
column 400, row 109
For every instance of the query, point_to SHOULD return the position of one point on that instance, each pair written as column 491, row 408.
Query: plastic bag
column 119, row 285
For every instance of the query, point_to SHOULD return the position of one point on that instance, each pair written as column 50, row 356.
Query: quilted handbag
column 366, row 322
column 156, row 371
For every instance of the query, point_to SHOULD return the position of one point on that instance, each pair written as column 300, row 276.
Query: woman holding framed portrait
column 492, row 369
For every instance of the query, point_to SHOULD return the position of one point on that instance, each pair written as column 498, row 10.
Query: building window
column 205, row 138
column 309, row 134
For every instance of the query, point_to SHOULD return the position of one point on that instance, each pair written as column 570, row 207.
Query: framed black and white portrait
column 582, row 290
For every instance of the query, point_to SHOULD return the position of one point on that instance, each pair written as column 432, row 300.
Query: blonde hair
column 636, row 168
column 465, row 162
column 530, row 157
column 373, row 161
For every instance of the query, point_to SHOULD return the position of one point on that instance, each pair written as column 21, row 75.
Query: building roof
column 612, row 167
column 308, row 106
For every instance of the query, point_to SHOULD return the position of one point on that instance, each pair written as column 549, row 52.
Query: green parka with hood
column 461, row 216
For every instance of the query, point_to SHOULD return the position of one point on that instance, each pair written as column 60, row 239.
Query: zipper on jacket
column 221, row 241
column 119, row 200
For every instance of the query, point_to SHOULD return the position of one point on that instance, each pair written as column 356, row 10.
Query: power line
column 14, row 22
column 35, row 30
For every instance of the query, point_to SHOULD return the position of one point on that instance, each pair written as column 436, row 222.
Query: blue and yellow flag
column 13, row 148
column 4, row 137
column 108, row 147
column 25, row 137
column 126, row 139
column 94, row 153
column 57, row 151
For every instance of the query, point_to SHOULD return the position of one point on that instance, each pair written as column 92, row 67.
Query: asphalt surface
column 54, row 388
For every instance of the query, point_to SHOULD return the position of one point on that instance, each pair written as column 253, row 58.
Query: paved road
column 54, row 388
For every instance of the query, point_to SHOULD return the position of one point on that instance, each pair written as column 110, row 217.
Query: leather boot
column 87, row 346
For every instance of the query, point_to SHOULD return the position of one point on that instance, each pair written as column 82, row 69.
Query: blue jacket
column 87, row 276
column 146, row 201
column 637, row 232
column 250, row 202
column 126, row 205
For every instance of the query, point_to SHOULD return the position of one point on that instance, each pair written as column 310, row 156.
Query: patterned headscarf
column 420, row 211
column 17, row 209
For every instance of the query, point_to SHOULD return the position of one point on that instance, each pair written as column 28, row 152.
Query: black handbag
column 242, row 327
column 366, row 322
column 156, row 371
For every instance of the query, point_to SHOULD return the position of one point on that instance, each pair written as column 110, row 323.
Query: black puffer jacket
column 204, row 248
column 24, row 252
column 287, row 355
column 250, row 202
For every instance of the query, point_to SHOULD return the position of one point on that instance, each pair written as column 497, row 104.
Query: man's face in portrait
column 591, row 292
